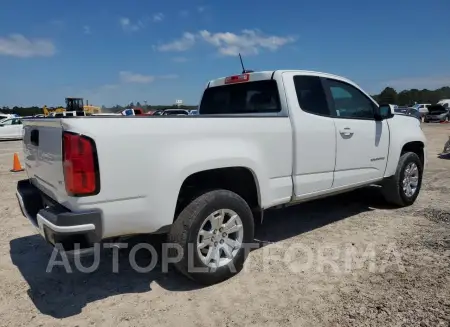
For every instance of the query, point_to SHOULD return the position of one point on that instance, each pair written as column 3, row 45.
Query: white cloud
column 249, row 42
column 180, row 59
column 158, row 17
column 128, row 25
column 87, row 29
column 17, row 45
column 424, row 82
column 129, row 77
column 186, row 42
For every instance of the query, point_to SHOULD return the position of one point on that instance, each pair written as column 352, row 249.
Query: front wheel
column 212, row 231
column 403, row 188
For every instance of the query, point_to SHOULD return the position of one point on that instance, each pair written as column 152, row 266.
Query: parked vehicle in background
column 437, row 113
column 422, row 108
column 133, row 112
column 408, row 111
column 11, row 129
column 6, row 116
column 107, row 114
column 158, row 113
column 445, row 103
column 261, row 140
column 401, row 110
column 414, row 113
column 175, row 112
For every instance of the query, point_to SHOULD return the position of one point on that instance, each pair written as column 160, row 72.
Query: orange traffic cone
column 16, row 164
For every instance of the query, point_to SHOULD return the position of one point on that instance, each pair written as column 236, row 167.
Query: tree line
column 388, row 95
column 413, row 96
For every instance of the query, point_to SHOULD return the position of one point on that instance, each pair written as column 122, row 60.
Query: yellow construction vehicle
column 76, row 104
column 90, row 109
column 50, row 111
column 72, row 104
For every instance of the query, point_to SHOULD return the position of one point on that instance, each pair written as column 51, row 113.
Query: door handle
column 346, row 132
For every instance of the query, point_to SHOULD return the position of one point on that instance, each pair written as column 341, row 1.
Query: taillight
column 80, row 163
column 237, row 79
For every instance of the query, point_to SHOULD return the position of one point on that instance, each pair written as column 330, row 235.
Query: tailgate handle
column 34, row 137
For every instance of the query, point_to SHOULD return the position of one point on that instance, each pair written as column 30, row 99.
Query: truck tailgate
column 42, row 145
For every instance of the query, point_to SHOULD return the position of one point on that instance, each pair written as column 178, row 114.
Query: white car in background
column 11, row 129
column 445, row 103
column 7, row 116
column 422, row 108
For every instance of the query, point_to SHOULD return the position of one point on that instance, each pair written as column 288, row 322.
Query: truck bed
column 143, row 161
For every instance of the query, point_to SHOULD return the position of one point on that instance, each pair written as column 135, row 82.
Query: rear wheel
column 403, row 188
column 212, row 231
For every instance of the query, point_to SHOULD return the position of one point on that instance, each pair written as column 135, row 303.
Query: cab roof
column 269, row 74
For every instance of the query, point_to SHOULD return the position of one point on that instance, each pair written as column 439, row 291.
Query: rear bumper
column 56, row 224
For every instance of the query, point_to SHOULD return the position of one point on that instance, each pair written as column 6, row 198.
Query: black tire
column 186, row 227
column 392, row 186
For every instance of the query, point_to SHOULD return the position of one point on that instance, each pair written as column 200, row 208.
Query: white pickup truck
column 260, row 140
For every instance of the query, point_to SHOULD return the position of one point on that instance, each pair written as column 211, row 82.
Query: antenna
column 242, row 64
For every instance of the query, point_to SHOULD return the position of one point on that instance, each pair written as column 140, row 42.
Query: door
column 361, row 142
column 314, row 134
column 7, row 130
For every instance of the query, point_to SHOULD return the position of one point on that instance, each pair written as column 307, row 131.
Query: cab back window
column 241, row 98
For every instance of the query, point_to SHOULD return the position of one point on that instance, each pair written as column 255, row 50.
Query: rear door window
column 311, row 95
column 241, row 98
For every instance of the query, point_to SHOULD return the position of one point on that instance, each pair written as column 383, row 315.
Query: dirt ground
column 404, row 280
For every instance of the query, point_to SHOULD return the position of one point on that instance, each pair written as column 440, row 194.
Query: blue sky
column 115, row 52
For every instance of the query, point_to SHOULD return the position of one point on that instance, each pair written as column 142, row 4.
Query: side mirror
column 384, row 111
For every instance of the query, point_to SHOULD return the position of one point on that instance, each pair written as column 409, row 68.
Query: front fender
column 403, row 130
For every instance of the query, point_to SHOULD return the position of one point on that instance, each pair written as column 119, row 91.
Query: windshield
column 252, row 97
